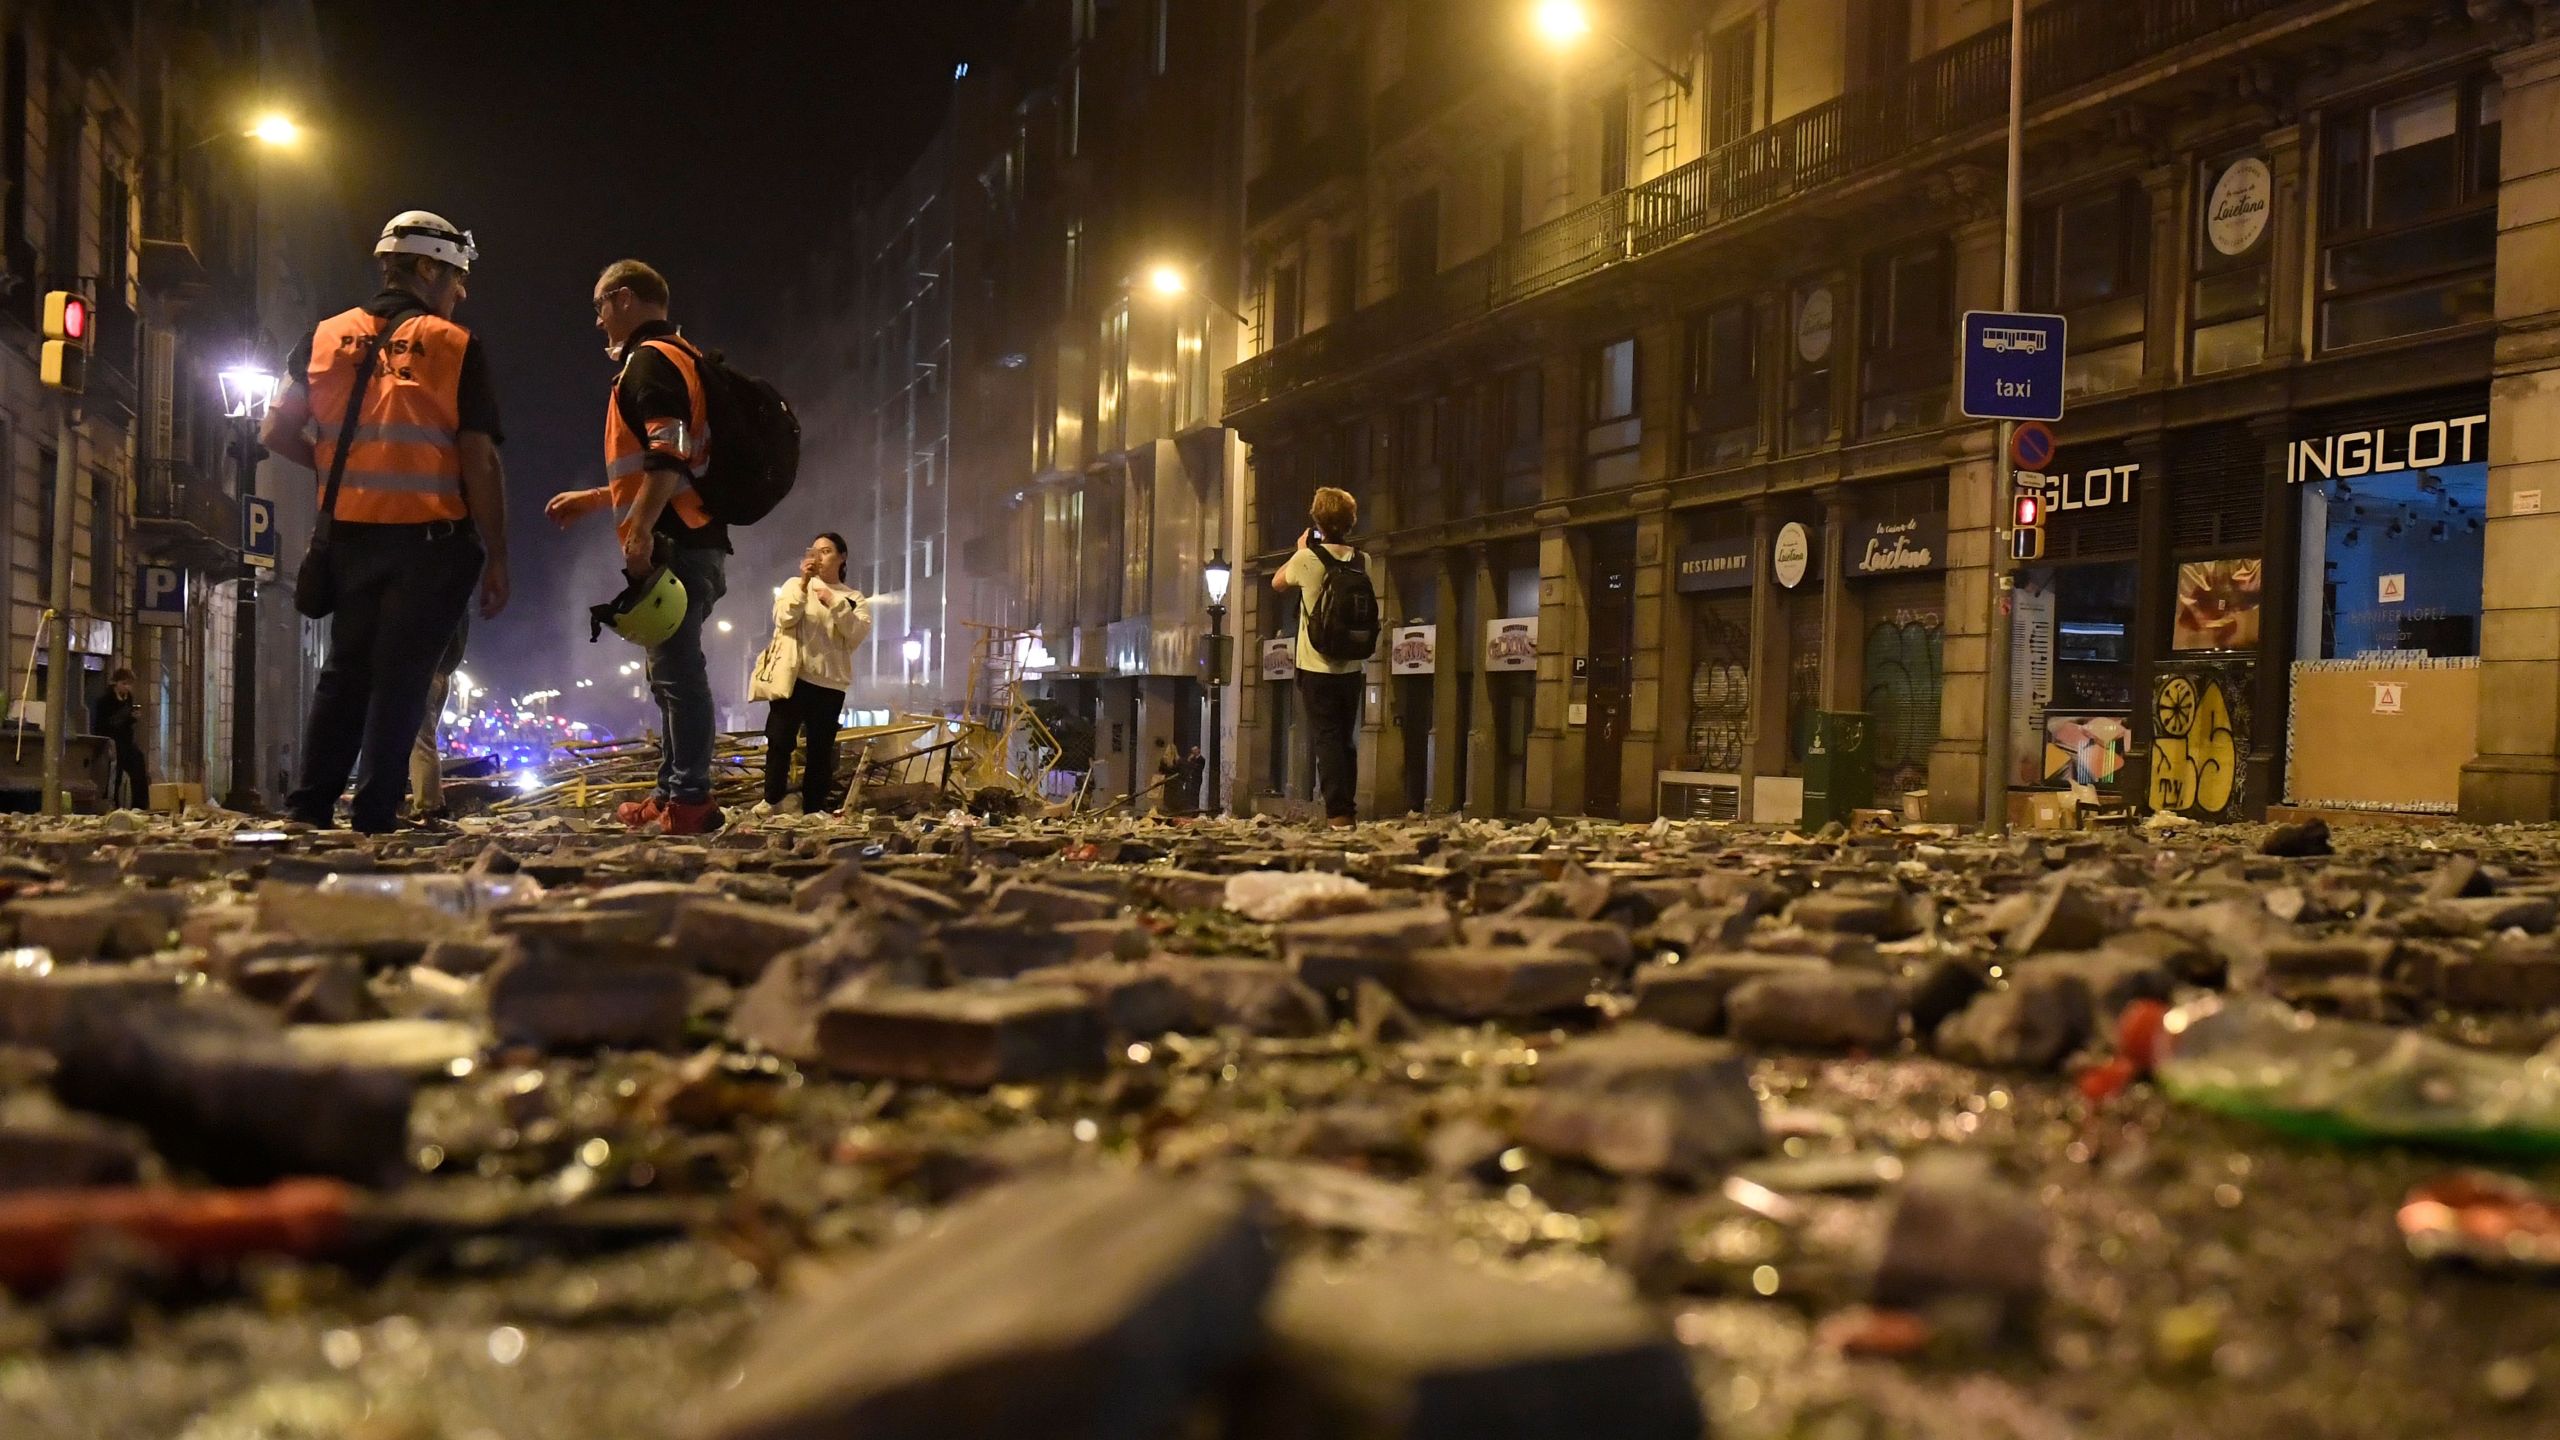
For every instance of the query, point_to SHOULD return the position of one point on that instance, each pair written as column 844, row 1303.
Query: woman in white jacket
column 818, row 621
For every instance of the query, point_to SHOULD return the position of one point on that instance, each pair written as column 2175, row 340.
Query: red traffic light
column 66, row 316
column 2030, row 510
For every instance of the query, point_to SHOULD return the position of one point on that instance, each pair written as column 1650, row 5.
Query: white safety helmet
column 422, row 232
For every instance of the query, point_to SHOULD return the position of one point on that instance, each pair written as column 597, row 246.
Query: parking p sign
column 258, row 531
column 159, row 595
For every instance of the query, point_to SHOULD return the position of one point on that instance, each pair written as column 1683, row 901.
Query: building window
column 2087, row 259
column 1519, row 468
column 1612, row 431
column 1909, row 334
column 2227, row 300
column 1813, row 341
column 1613, row 141
column 1345, row 279
column 2410, row 240
column 1417, row 239
column 1733, row 71
column 1190, row 378
column 1721, row 411
column 1287, row 303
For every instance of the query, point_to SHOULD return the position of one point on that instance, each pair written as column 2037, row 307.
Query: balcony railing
column 1964, row 87
column 177, row 495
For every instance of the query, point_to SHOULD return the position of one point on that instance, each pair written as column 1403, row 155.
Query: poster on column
column 1280, row 657
column 2030, row 674
column 1415, row 650
column 1511, row 644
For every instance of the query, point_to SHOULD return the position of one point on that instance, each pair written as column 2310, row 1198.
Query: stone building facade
column 1641, row 358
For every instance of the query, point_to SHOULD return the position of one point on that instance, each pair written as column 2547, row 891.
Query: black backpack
column 1342, row 624
column 755, row 442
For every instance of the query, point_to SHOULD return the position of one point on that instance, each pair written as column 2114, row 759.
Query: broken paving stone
column 1644, row 1100
column 1691, row 994
column 2025, row 1026
column 999, row 948
column 2064, row 916
column 1817, row 1010
column 1495, row 982
column 1252, row 995
column 45, row 1147
column 1108, row 939
column 780, row 1011
column 967, row 1038
column 465, row 957
column 421, row 1048
column 1092, row 1305
column 1135, row 1001
column 1958, row 1231
column 1609, row 945
column 2182, row 958
column 382, row 927
column 2290, row 960
column 2459, row 877
column 1937, row 988
column 558, row 1000
column 1052, row 904
column 215, row 1081
column 1877, row 912
column 113, row 925
column 332, row 993
column 1334, row 954
column 2510, row 975
column 47, row 1007
column 2488, row 915
column 1412, row 1347
column 1379, row 1018
column 736, row 940
column 2299, row 841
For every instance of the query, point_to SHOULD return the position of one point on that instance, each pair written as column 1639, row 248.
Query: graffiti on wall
column 2200, row 740
column 1720, row 689
column 1906, row 673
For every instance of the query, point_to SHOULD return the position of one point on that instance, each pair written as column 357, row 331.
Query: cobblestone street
column 962, row 1127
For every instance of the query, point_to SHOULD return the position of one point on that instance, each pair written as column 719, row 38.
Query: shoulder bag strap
column 355, row 407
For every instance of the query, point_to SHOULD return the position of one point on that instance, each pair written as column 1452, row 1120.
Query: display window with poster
column 2073, row 664
column 1895, row 556
column 2384, row 692
column 1713, row 575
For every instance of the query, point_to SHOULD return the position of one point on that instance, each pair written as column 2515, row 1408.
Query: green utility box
column 1839, row 767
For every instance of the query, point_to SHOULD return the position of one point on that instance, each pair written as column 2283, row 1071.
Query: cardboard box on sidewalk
column 173, row 797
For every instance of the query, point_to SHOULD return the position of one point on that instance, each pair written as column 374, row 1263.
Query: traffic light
column 2026, row 533
column 66, row 340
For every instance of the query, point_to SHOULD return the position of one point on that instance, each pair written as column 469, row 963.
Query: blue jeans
column 681, row 680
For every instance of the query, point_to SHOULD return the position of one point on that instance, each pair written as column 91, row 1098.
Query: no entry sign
column 2031, row 446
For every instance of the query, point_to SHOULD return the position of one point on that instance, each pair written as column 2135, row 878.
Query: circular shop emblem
column 2235, row 216
column 1794, row 551
column 1813, row 325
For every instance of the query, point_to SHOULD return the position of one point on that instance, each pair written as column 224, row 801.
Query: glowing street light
column 1563, row 23
column 275, row 128
column 1172, row 282
column 726, row 627
column 247, row 392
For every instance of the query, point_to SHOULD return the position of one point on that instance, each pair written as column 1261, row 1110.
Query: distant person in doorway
column 118, row 717
column 1337, row 634
column 818, row 622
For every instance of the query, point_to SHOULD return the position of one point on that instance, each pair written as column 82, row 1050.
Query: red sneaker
column 683, row 819
column 637, row 813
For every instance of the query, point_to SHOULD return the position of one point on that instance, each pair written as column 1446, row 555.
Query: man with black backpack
column 1337, row 634
column 658, row 462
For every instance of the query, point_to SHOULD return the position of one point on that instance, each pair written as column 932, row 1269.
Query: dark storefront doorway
column 1610, row 691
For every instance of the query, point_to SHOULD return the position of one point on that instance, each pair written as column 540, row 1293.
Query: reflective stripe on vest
column 627, row 454
column 404, row 463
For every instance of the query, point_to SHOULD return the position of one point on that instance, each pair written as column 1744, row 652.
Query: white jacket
column 824, row 632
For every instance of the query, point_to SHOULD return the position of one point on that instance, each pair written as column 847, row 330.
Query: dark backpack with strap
column 755, row 442
column 1342, row 624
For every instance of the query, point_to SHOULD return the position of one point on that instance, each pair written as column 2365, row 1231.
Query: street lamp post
column 1172, row 283
column 247, row 392
column 1217, row 575
column 913, row 650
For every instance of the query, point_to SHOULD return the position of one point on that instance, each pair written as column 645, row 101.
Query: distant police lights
column 2026, row 533
column 66, row 341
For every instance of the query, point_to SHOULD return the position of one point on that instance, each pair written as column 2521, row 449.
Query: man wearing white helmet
column 390, row 404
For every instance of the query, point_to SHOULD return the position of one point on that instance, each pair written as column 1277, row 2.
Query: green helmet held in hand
column 646, row 612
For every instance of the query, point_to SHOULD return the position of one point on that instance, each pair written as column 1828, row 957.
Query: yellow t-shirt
column 1307, row 573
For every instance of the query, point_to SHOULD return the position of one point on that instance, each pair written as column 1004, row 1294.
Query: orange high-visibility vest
column 626, row 454
column 405, row 464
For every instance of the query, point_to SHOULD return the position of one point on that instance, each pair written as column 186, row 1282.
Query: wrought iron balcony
column 176, row 501
column 2070, row 43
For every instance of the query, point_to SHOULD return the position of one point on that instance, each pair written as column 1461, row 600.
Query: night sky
column 723, row 141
